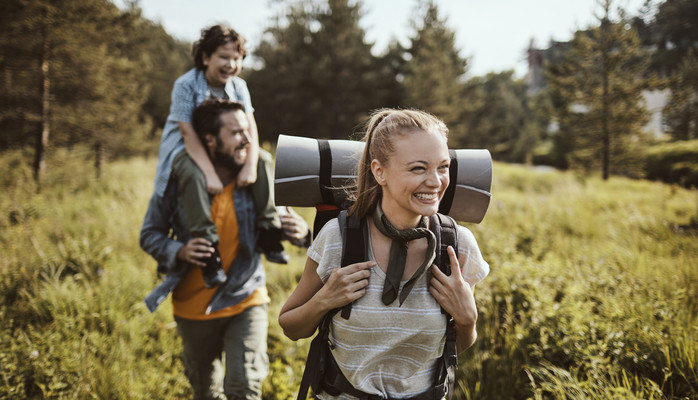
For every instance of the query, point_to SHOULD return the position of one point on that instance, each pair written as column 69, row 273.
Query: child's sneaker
column 213, row 270
column 269, row 243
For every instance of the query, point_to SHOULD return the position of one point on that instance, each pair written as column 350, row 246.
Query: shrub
column 675, row 162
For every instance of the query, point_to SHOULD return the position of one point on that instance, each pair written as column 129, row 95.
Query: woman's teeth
column 425, row 196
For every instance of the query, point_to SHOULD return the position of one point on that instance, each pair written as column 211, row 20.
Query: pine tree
column 319, row 77
column 681, row 112
column 434, row 72
column 68, row 76
column 597, row 91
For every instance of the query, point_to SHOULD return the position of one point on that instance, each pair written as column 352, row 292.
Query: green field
column 593, row 291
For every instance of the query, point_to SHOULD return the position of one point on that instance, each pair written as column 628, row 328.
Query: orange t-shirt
column 191, row 298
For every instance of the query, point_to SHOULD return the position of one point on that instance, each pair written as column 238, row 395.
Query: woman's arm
column 198, row 153
column 248, row 173
column 311, row 300
column 455, row 295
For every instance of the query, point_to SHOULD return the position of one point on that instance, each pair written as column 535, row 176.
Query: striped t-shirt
column 390, row 350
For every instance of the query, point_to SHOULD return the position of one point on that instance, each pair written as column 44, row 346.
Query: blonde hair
column 381, row 128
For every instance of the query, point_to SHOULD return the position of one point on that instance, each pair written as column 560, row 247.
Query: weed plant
column 593, row 290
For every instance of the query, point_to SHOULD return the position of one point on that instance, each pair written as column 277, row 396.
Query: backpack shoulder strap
column 353, row 245
column 445, row 230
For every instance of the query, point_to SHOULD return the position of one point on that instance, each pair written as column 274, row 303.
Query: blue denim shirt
column 165, row 231
column 189, row 91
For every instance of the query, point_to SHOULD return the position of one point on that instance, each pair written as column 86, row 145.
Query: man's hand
column 295, row 228
column 247, row 175
column 195, row 250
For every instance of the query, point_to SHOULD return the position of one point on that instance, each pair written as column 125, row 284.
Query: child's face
column 222, row 65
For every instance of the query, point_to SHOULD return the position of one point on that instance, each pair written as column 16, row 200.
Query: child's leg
column 196, row 203
column 268, row 222
column 263, row 193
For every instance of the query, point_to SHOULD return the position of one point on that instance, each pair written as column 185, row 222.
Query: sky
column 492, row 34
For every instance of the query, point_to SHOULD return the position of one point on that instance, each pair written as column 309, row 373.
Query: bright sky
column 494, row 34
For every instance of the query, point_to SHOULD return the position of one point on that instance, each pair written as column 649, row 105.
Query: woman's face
column 414, row 178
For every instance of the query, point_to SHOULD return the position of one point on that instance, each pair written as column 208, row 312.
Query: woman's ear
column 378, row 172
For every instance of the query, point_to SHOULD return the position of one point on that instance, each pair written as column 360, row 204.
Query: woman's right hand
column 345, row 285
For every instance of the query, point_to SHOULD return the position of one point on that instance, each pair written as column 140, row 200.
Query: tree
column 674, row 33
column 681, row 112
column 434, row 73
column 501, row 117
column 79, row 72
column 597, row 91
column 318, row 77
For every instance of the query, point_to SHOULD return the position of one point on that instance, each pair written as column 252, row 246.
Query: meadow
column 593, row 290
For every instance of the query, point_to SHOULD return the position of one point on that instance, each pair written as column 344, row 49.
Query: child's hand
column 247, row 175
column 213, row 184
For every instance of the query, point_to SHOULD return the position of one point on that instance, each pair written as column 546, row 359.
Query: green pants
column 226, row 355
column 196, row 202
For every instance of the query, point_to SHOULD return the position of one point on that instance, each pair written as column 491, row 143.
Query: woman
column 390, row 344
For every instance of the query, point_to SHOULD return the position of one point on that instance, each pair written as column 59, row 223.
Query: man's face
column 232, row 142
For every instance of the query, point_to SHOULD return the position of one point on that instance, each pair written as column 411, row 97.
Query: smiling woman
column 396, row 294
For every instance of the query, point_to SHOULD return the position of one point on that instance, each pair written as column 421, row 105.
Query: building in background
column 655, row 100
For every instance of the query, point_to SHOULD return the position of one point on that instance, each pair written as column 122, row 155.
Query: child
column 218, row 56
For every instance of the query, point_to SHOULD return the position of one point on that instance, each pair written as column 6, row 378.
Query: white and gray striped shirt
column 390, row 350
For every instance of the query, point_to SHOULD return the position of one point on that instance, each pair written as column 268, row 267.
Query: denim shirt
column 164, row 232
column 188, row 92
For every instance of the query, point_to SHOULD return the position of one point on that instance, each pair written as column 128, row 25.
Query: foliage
column 674, row 33
column 681, row 112
column 592, row 291
column 503, row 118
column 674, row 162
column 319, row 78
column 597, row 94
column 109, row 74
column 433, row 76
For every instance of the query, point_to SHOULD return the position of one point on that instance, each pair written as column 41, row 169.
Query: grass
column 593, row 291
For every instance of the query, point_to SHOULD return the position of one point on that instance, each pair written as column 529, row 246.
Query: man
column 230, row 318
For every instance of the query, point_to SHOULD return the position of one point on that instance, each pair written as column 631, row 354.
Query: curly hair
column 214, row 37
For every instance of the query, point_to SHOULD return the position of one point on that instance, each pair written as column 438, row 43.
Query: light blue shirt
column 189, row 90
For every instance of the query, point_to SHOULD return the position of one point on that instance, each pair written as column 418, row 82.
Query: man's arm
column 154, row 238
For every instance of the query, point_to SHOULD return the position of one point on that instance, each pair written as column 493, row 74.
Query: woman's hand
column 194, row 251
column 312, row 299
column 455, row 295
column 345, row 285
column 247, row 175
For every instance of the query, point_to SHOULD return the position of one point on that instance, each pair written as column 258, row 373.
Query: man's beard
column 227, row 161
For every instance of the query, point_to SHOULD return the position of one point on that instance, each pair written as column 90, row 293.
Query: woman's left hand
column 453, row 293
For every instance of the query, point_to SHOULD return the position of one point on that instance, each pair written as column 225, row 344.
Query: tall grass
column 593, row 292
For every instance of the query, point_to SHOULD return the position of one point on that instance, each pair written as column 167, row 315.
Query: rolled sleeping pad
column 311, row 172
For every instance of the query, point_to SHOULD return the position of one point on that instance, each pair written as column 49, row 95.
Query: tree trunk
column 605, row 71
column 99, row 157
column 43, row 133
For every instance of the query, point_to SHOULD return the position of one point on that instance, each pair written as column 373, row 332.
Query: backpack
column 321, row 371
